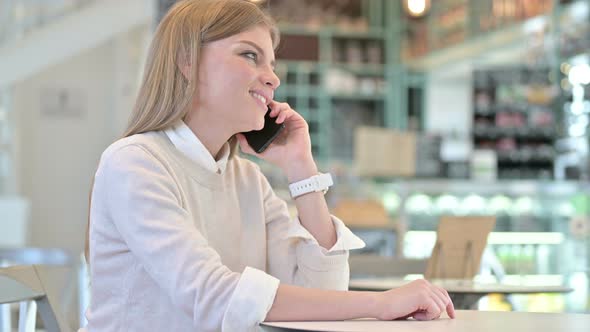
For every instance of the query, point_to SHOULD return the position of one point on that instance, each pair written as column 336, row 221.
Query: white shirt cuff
column 251, row 300
column 345, row 238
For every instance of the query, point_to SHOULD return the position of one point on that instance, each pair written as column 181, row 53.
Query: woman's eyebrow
column 272, row 63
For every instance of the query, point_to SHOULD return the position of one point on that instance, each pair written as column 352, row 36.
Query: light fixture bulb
column 417, row 8
column 579, row 74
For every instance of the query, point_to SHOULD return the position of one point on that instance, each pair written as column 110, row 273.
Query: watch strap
column 316, row 183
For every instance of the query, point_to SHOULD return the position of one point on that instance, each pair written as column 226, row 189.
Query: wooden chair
column 25, row 284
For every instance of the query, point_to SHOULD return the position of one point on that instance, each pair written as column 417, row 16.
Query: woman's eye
column 250, row 55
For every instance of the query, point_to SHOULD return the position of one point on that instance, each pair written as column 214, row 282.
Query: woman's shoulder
column 243, row 165
column 149, row 145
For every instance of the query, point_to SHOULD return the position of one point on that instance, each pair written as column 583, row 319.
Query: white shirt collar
column 188, row 143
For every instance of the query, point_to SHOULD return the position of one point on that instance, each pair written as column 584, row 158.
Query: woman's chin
column 259, row 125
column 253, row 127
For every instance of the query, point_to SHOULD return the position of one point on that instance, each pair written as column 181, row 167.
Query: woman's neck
column 208, row 132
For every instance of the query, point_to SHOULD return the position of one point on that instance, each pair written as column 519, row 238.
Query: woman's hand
column 419, row 299
column 291, row 151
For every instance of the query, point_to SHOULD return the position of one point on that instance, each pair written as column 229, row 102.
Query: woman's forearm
column 312, row 208
column 418, row 299
column 315, row 217
column 293, row 303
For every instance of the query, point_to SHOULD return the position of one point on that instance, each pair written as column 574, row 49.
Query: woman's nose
column 271, row 79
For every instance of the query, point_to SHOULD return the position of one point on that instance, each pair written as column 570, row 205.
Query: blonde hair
column 165, row 94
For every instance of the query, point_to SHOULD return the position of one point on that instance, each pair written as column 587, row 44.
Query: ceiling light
column 416, row 8
column 579, row 74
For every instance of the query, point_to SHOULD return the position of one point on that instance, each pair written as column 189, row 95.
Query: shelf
column 288, row 29
column 477, row 42
column 532, row 163
column 523, row 108
column 371, row 33
column 298, row 64
column 357, row 96
column 496, row 187
column 504, row 40
column 298, row 91
column 339, row 67
column 470, row 48
column 519, row 125
column 532, row 133
column 337, row 32
column 295, row 92
column 360, row 68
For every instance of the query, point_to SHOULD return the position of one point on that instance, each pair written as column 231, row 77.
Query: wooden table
column 466, row 321
column 464, row 293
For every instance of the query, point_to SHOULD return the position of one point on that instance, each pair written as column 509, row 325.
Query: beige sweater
column 176, row 247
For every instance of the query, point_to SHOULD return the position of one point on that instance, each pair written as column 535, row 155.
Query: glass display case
column 513, row 116
column 542, row 232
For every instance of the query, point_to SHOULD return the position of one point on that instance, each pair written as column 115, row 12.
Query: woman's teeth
column 259, row 97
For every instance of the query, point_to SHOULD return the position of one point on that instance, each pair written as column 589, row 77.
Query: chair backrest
column 26, row 283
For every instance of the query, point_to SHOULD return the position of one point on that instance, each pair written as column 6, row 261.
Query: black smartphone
column 259, row 140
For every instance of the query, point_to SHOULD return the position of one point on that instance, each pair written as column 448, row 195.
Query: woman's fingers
column 443, row 295
column 277, row 108
column 284, row 114
column 451, row 310
column 281, row 111
column 431, row 312
column 418, row 299
column 440, row 301
column 446, row 298
column 450, row 306
column 274, row 108
column 435, row 300
column 281, row 117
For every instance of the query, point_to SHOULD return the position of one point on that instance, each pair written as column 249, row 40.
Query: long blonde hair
column 165, row 94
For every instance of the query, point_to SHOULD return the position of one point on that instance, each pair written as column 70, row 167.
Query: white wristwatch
column 316, row 183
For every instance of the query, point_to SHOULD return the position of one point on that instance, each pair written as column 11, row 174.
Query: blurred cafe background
column 419, row 108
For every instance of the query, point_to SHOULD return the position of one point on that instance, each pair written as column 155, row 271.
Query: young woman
column 184, row 235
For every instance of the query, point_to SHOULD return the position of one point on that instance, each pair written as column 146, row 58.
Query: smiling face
column 237, row 81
